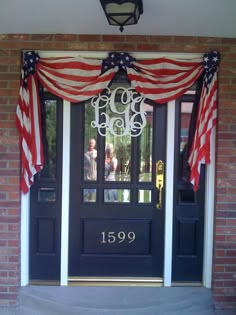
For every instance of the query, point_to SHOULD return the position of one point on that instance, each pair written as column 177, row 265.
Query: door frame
column 209, row 191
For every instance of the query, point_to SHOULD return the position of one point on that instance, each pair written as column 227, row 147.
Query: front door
column 117, row 208
column 117, row 187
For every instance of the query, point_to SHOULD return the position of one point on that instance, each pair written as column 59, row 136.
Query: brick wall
column 224, row 265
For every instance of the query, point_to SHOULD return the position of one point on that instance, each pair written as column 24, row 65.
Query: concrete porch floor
column 109, row 300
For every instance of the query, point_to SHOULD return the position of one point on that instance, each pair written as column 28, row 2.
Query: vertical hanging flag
column 28, row 119
column 206, row 120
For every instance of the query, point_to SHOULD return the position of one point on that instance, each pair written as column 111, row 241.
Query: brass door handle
column 160, row 169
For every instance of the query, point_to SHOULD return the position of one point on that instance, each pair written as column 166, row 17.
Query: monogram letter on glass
column 120, row 110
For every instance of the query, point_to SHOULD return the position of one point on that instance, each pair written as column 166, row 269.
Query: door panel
column 45, row 198
column 115, row 227
column 188, row 214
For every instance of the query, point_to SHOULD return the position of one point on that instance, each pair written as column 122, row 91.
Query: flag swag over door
column 77, row 79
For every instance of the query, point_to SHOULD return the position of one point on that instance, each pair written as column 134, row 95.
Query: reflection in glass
column 47, row 195
column 144, row 196
column 122, row 142
column 90, row 155
column 123, row 154
column 185, row 119
column 145, row 145
column 117, row 152
column 89, row 195
column 111, row 163
column 49, row 116
column 117, row 195
column 186, row 111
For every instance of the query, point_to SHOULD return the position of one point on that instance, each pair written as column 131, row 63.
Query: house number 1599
column 117, row 237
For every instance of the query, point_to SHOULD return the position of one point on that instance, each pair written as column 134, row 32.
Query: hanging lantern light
column 122, row 12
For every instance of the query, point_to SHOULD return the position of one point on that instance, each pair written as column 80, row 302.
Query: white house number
column 117, row 237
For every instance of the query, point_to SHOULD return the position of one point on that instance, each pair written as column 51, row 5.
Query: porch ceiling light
column 122, row 12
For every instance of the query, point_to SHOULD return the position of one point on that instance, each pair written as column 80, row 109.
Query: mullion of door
column 135, row 159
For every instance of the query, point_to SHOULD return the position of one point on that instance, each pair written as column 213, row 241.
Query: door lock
column 160, row 167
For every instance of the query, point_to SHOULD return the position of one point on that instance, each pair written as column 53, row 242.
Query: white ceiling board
column 211, row 18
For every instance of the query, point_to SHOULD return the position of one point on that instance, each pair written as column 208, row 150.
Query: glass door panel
column 145, row 145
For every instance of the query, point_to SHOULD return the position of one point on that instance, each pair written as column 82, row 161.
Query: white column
column 169, row 193
column 209, row 216
column 65, row 193
column 24, row 239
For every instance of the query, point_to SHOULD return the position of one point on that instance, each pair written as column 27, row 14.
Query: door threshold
column 186, row 284
column 115, row 281
column 44, row 282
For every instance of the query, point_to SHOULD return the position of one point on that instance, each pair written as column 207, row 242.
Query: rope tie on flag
column 31, row 58
column 121, row 60
column 210, row 64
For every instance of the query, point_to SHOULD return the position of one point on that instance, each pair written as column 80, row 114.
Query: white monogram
column 131, row 118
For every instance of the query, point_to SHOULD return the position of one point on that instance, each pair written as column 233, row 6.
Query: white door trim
column 209, row 216
column 25, row 223
column 65, row 193
column 169, row 193
column 209, row 203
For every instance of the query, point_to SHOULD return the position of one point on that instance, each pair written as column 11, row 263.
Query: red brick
column 223, row 276
column 13, row 180
column 231, row 252
column 148, row 47
column 113, row 38
column 230, row 268
column 231, row 238
column 8, row 188
column 88, row 38
column 219, row 253
column 8, row 296
column 225, row 245
column 9, row 236
column 225, row 261
column 217, row 268
column 13, row 243
column 42, row 37
column 144, row 38
column 124, row 47
column 3, row 289
column 65, row 37
column 226, row 230
column 220, row 238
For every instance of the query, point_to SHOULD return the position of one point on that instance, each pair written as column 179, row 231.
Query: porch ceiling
column 211, row 18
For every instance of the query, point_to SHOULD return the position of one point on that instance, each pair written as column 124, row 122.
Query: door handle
column 160, row 170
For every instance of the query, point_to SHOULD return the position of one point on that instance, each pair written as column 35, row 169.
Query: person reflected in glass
column 90, row 167
column 111, row 164
column 90, row 161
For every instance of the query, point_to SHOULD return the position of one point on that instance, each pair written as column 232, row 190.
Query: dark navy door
column 117, row 190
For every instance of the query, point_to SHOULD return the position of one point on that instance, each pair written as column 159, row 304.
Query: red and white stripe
column 28, row 119
column 206, row 120
column 78, row 79
column 163, row 79
column 73, row 79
